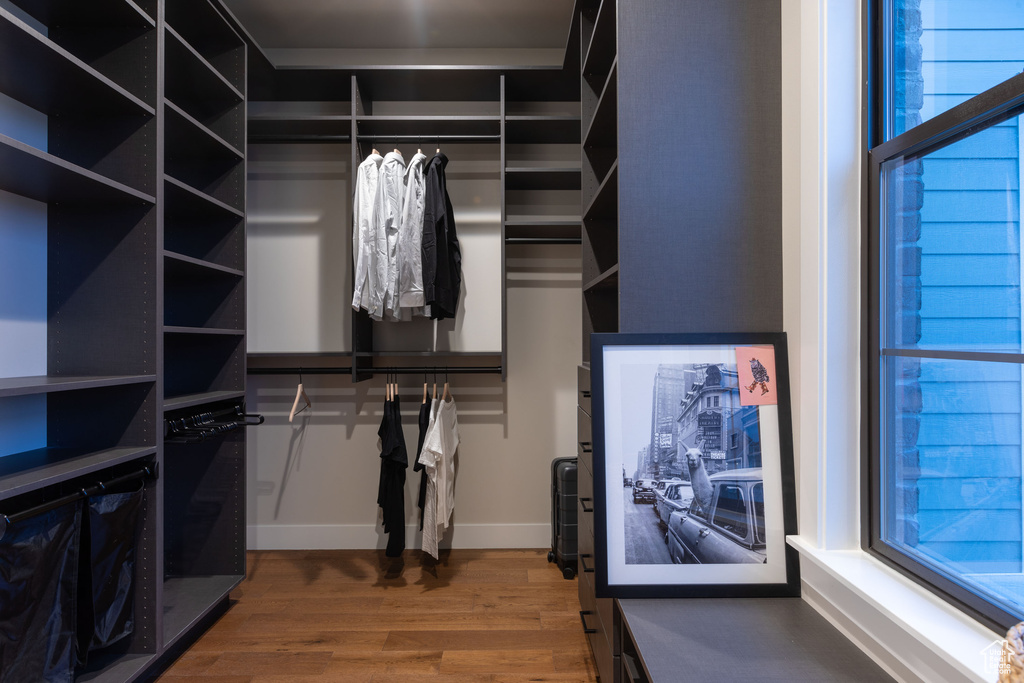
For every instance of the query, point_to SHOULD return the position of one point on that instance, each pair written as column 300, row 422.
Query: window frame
column 991, row 106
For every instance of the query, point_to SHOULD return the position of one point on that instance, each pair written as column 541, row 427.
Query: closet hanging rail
column 419, row 370
column 543, row 240
column 148, row 472
column 426, row 138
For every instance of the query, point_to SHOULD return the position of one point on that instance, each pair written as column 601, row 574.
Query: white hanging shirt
column 410, row 254
column 441, row 443
column 429, row 462
column 387, row 219
column 367, row 177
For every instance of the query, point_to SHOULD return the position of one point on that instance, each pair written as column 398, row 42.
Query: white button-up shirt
column 362, row 227
column 387, row 220
column 410, row 253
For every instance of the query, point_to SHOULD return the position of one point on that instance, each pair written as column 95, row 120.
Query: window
column 730, row 511
column 945, row 370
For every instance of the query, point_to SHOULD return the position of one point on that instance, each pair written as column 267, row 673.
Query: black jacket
column 442, row 258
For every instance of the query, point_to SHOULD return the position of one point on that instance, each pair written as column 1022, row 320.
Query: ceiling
column 342, row 33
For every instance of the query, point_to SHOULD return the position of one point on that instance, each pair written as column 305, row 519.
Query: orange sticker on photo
column 756, row 368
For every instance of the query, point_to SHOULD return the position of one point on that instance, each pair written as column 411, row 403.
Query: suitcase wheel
column 551, row 556
column 569, row 572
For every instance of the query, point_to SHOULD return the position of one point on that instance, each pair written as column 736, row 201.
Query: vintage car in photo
column 674, row 497
column 728, row 528
column 643, row 490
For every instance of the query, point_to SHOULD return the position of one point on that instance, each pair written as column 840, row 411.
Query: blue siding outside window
column 951, row 463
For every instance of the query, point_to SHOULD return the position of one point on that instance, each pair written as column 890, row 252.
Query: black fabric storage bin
column 38, row 574
column 107, row 578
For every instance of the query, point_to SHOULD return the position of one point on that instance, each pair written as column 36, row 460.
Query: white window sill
column 912, row 634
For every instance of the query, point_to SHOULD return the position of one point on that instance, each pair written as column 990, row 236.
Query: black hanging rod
column 543, row 240
column 426, row 138
column 405, row 370
column 148, row 472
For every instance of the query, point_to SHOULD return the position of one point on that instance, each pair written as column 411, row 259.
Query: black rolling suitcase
column 563, row 515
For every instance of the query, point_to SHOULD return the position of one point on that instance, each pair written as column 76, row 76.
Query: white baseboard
column 361, row 536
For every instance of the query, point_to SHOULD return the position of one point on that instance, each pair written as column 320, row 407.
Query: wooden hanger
column 300, row 395
column 435, row 385
column 445, row 396
column 424, row 387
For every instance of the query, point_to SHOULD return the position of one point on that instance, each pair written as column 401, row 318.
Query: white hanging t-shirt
column 429, row 461
column 441, row 443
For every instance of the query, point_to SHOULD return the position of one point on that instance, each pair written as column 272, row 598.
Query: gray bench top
column 742, row 639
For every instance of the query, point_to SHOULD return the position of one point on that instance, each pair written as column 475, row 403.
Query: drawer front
column 583, row 387
column 588, row 603
column 585, row 489
column 607, row 665
column 592, row 617
column 604, row 611
column 585, row 440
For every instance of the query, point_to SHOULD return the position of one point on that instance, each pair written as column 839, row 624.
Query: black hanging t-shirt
column 394, row 460
column 424, row 420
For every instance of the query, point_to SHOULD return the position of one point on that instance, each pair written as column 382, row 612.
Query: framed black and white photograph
column 694, row 489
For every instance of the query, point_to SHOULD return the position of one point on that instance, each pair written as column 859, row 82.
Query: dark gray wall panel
column 700, row 166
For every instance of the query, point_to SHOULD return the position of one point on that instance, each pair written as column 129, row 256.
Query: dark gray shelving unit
column 55, row 79
column 29, row 172
column 142, row 172
column 371, row 127
column 299, row 122
column 202, row 259
column 696, row 249
column 540, row 155
column 525, row 113
column 402, row 106
column 90, row 71
column 200, row 228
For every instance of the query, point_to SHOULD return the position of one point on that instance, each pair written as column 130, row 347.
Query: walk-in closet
column 296, row 311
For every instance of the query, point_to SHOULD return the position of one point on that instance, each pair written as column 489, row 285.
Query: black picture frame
column 725, row 535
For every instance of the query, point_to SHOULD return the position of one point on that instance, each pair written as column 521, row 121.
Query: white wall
column 313, row 483
column 912, row 634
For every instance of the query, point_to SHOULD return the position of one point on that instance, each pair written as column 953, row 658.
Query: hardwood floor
column 480, row 616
